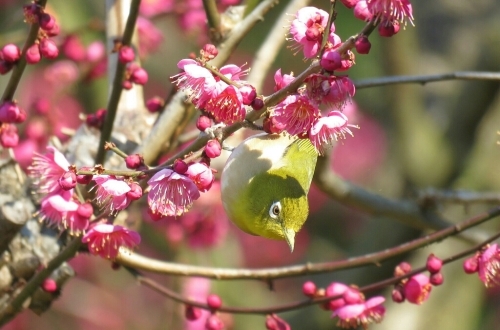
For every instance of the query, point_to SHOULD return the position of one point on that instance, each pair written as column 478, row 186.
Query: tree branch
column 138, row 261
column 296, row 305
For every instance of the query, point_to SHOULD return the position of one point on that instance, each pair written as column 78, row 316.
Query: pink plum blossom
column 62, row 212
column 391, row 10
column 417, row 289
column 307, row 29
column 295, row 114
column 195, row 80
column 113, row 193
column 282, row 80
column 47, row 169
column 227, row 107
column 489, row 266
column 327, row 130
column 171, row 194
column 105, row 240
column 362, row 314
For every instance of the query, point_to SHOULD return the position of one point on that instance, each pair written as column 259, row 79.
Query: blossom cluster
column 350, row 307
column 222, row 94
column 486, row 263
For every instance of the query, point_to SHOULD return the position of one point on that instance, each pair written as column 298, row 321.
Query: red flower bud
column 214, row 302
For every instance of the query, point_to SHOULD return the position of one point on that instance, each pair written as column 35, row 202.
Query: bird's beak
column 290, row 237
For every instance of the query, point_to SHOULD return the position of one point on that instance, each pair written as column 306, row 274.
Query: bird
column 265, row 182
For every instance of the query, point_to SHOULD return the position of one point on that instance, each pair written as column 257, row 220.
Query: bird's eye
column 275, row 210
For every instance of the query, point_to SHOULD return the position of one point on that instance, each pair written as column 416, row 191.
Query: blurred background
column 412, row 137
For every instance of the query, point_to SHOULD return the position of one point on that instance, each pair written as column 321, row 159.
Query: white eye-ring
column 275, row 210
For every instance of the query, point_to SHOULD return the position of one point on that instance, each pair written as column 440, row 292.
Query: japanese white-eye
column 265, row 184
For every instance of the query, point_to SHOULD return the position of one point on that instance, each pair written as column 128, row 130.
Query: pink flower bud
column 155, row 104
column 8, row 136
column 214, row 323
column 471, row 265
column 49, row 285
column 213, row 148
column 349, row 3
column 313, row 33
column 84, row 178
column 41, row 106
column 134, row 161
column 127, row 84
column 331, row 60
column 135, row 191
column 192, row 313
column 11, row 53
column 54, row 31
column 352, row 296
column 73, row 48
column 398, row 295
column 5, row 67
column 402, row 269
column 336, row 289
column 139, row 76
column 85, row 210
column 96, row 119
column 48, row 49
column 96, row 51
column 434, row 264
column 9, row 111
column 388, row 29
column 214, row 302
column 180, row 166
column 363, row 45
column 33, row 55
column 258, row 104
column 21, row 117
column 126, row 54
column 437, row 279
column 46, row 21
column 309, row 289
column 273, row 322
column 209, row 52
column 68, row 180
column 201, row 175
column 248, row 93
column 36, row 130
column 203, row 123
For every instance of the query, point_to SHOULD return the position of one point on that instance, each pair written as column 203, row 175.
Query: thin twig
column 148, row 264
column 424, row 79
column 458, row 196
column 296, row 305
column 116, row 92
column 213, row 18
column 34, row 283
column 18, row 71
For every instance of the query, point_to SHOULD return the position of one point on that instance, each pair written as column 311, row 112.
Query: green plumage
column 265, row 170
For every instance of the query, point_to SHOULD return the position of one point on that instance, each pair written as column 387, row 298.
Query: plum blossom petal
column 47, row 169
column 329, row 129
column 171, row 194
column 105, row 240
column 488, row 266
column 295, row 114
